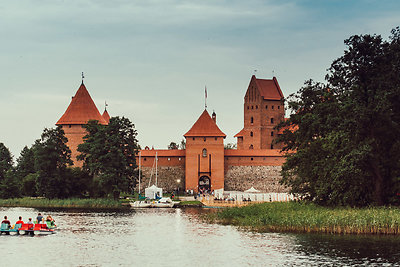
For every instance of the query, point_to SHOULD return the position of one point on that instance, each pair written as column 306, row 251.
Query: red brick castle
column 205, row 164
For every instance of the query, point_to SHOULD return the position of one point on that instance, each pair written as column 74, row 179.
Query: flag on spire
column 205, row 92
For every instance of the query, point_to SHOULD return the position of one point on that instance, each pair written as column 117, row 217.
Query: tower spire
column 205, row 99
column 83, row 77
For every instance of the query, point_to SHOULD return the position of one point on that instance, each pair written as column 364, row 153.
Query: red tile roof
column 106, row 116
column 81, row 109
column 269, row 89
column 205, row 126
column 240, row 134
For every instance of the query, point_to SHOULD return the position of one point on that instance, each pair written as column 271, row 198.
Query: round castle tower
column 79, row 112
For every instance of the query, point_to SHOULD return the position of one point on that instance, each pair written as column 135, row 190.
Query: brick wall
column 166, row 178
column 263, row 178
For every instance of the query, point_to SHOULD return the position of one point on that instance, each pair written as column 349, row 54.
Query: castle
column 204, row 164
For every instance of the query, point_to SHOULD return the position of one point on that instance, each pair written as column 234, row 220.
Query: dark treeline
column 346, row 133
column 44, row 169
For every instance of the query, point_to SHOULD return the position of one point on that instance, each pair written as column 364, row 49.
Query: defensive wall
column 243, row 169
column 259, row 168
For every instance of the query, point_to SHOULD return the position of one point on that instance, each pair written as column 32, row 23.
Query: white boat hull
column 140, row 204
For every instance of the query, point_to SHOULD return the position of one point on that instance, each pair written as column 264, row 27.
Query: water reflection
column 175, row 237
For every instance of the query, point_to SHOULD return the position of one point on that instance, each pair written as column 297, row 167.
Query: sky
column 151, row 60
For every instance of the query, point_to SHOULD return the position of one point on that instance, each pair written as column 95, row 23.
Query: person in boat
column 6, row 221
column 20, row 221
column 30, row 221
column 39, row 218
column 51, row 220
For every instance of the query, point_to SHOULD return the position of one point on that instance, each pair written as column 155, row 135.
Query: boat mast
column 156, row 168
column 140, row 153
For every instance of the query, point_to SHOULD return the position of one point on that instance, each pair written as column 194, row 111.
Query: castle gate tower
column 79, row 112
column 204, row 168
column 263, row 110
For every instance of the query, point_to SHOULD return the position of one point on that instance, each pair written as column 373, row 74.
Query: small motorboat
column 164, row 202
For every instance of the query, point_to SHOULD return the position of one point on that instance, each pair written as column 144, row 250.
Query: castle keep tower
column 263, row 110
column 204, row 169
column 79, row 112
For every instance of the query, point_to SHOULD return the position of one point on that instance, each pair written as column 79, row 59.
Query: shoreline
column 294, row 217
column 77, row 203
column 70, row 203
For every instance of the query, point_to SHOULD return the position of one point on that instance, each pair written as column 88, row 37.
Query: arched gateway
column 204, row 184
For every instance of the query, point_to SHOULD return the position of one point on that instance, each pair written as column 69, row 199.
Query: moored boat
column 140, row 204
column 164, row 202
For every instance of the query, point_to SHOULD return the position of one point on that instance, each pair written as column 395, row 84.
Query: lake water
column 177, row 237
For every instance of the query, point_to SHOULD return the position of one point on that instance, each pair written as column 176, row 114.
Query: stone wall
column 166, row 178
column 263, row 178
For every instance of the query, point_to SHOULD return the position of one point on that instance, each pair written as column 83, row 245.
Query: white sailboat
column 152, row 192
column 141, row 203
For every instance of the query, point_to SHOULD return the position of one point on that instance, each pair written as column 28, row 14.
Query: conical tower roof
column 205, row 126
column 106, row 116
column 81, row 109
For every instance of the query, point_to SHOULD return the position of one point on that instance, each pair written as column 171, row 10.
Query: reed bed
column 87, row 203
column 310, row 218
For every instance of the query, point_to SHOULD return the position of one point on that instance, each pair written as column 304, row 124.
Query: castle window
column 144, row 159
column 70, row 126
column 251, row 147
column 251, row 158
column 256, row 106
column 272, row 120
column 251, row 120
column 205, row 139
column 251, row 134
column 272, row 133
column 266, row 106
column 272, row 146
column 204, row 153
column 252, row 107
column 179, row 159
column 272, row 107
column 169, row 159
column 247, row 107
column 216, row 138
column 194, row 138
column 279, row 107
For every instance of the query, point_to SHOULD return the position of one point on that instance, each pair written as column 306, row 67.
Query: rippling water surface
column 177, row 237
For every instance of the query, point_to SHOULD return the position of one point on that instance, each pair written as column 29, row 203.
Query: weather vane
column 83, row 77
column 105, row 105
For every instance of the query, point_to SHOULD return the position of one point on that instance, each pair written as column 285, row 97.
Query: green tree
column 26, row 162
column 10, row 186
column 346, row 134
column 52, row 156
column 230, row 146
column 6, row 160
column 172, row 145
column 8, row 183
column 109, row 153
column 28, row 184
column 182, row 145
